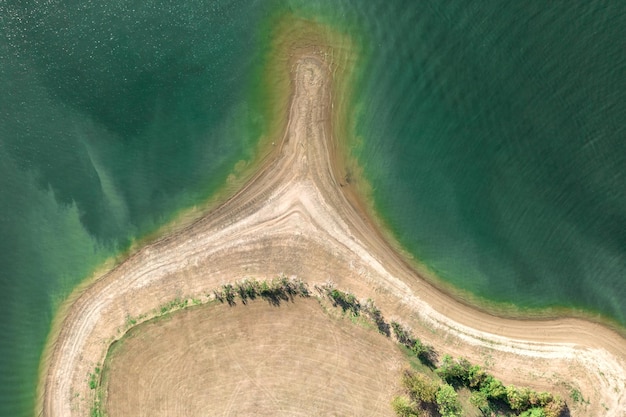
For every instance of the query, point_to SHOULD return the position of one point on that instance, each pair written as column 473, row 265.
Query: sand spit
column 294, row 218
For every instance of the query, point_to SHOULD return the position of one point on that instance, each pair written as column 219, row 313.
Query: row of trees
column 274, row 291
column 351, row 305
column 489, row 393
column 425, row 396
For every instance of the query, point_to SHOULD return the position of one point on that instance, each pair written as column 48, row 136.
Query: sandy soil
column 259, row 359
column 295, row 217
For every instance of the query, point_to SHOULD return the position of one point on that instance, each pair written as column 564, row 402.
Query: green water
column 492, row 134
column 114, row 115
column 499, row 155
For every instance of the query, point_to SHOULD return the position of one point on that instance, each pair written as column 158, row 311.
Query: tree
column 455, row 372
column 493, row 388
column 448, row 401
column 476, row 376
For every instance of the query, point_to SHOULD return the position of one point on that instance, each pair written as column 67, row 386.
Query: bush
column 555, row 408
column 454, row 372
column 403, row 334
column 420, row 388
column 229, row 294
column 476, row 376
column 425, row 353
column 518, row 398
column 345, row 300
column 376, row 316
column 493, row 389
column 479, row 400
column 448, row 401
column 403, row 407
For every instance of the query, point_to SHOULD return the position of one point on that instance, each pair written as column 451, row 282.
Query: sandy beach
column 298, row 216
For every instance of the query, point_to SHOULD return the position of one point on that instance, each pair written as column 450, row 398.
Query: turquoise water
column 493, row 137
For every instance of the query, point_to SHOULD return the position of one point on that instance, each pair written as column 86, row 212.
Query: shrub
column 479, row 400
column 376, row 316
column 345, row 300
column 493, row 389
column 518, row 398
column 476, row 376
column 420, row 388
column 229, row 293
column 454, row 372
column 403, row 407
column 425, row 353
column 448, row 401
column 403, row 334
column 555, row 408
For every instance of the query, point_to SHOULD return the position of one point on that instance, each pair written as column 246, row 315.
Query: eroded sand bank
column 294, row 217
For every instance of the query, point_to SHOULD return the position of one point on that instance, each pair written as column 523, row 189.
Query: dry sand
column 294, row 217
column 257, row 359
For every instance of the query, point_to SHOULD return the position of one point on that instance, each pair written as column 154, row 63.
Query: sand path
column 294, row 217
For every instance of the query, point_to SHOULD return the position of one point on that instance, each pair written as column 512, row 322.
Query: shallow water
column 492, row 136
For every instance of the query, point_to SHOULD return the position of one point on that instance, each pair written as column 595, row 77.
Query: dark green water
column 493, row 135
column 113, row 116
column 499, row 151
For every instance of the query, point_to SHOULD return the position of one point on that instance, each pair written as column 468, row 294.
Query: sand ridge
column 294, row 217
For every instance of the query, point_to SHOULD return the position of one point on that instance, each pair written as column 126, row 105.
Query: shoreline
column 289, row 203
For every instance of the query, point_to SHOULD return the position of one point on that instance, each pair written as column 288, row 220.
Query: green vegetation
column 404, row 408
column 448, row 401
column 425, row 394
column 437, row 395
column 577, row 396
column 347, row 301
column 425, row 353
column 374, row 314
column 488, row 395
column 420, row 387
column 493, row 395
column 275, row 291
column 94, row 378
column 94, row 384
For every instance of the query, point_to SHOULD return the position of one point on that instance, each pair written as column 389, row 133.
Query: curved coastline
column 295, row 216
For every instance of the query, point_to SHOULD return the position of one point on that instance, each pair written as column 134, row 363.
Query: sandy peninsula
column 298, row 216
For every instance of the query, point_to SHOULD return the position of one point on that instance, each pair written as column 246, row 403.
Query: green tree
column 476, row 376
column 454, row 371
column 448, row 401
column 493, row 388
